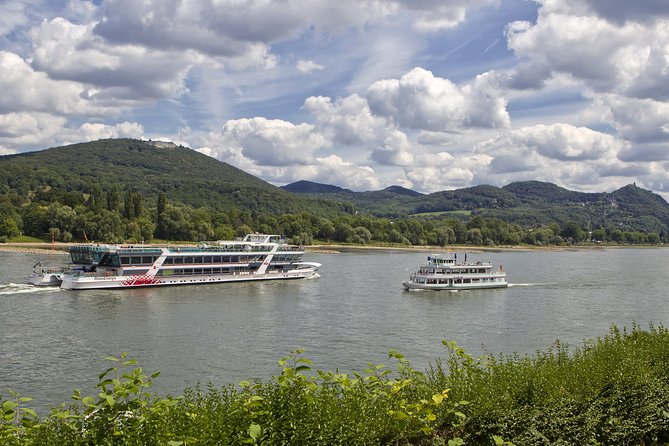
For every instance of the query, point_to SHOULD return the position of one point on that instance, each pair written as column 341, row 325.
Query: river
column 53, row 341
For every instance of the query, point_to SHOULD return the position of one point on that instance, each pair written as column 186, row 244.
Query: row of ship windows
column 449, row 281
column 455, row 271
column 196, row 271
column 150, row 260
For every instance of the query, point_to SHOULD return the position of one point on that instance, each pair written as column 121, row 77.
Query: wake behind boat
column 256, row 257
column 446, row 273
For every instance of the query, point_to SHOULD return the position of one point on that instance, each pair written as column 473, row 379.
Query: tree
column 363, row 234
column 474, row 237
column 35, row 220
column 113, row 198
column 571, row 230
column 161, row 228
column 8, row 227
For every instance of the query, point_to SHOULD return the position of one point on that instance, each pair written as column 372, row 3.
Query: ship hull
column 90, row 283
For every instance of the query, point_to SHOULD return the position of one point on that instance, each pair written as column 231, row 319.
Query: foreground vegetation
column 611, row 391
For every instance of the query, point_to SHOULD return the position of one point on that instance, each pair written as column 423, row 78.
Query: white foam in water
column 22, row 288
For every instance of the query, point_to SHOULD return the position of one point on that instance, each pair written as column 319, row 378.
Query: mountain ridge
column 70, row 175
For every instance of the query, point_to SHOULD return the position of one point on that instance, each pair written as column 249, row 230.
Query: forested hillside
column 131, row 190
column 184, row 175
column 527, row 203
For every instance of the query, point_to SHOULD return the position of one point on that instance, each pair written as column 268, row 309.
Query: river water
column 53, row 341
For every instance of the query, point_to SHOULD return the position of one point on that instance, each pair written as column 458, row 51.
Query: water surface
column 52, row 341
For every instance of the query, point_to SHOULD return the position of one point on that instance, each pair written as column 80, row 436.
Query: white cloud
column 25, row 89
column 419, row 100
column 559, row 142
column 395, row 152
column 308, row 66
column 95, row 131
column 443, row 171
column 6, row 151
column 29, row 129
column 628, row 58
column 332, row 170
column 641, row 121
column 274, row 142
column 434, row 15
column 348, row 120
column 117, row 74
column 575, row 157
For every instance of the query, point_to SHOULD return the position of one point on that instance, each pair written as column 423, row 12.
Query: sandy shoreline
column 37, row 248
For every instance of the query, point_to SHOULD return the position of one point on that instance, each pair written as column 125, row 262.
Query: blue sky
column 363, row 94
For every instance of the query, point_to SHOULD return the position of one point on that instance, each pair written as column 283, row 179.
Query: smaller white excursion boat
column 50, row 276
column 83, row 258
column 446, row 273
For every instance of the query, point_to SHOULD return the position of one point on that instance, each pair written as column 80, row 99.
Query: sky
column 363, row 94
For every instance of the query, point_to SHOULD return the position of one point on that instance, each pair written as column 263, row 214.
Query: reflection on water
column 53, row 341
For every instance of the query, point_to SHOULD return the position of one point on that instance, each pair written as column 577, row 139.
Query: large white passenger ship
column 256, row 257
column 446, row 273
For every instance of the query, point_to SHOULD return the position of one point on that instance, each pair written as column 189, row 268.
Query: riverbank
column 60, row 248
column 37, row 248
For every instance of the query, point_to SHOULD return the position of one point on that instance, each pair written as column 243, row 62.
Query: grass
column 612, row 390
column 26, row 239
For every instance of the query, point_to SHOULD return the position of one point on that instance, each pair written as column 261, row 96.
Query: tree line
column 118, row 216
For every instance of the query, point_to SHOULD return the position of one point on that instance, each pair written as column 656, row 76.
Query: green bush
column 611, row 391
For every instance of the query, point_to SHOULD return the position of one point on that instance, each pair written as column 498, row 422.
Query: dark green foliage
column 105, row 169
column 612, row 391
column 527, row 203
column 130, row 190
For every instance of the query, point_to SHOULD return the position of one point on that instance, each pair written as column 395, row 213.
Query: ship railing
column 97, row 275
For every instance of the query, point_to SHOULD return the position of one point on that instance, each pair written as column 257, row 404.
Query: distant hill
column 399, row 190
column 527, row 203
column 70, row 174
column 146, row 167
column 309, row 187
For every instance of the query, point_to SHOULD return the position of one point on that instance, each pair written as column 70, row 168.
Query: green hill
column 527, row 203
column 148, row 168
column 125, row 189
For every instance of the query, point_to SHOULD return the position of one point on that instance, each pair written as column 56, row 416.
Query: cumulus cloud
column 619, row 11
column 561, row 142
column 116, row 74
column 396, row 151
column 419, row 100
column 641, row 121
column 348, row 120
column 333, row 170
column 25, row 89
column 274, row 142
column 440, row 171
column 30, row 129
column 95, row 131
column 575, row 157
column 628, row 58
column 228, row 28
